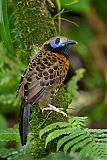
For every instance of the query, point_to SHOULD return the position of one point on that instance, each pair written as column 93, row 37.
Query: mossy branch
column 35, row 25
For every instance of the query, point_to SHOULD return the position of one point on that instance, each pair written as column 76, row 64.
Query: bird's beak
column 71, row 42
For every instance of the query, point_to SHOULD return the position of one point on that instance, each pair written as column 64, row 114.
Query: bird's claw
column 53, row 108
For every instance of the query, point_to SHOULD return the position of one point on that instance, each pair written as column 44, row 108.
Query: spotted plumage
column 42, row 79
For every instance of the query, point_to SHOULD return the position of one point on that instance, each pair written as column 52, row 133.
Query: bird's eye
column 57, row 40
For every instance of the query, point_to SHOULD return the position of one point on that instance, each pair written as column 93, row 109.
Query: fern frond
column 77, row 121
column 52, row 127
column 75, row 133
column 74, row 141
column 73, row 137
column 98, row 131
column 57, row 133
column 90, row 147
column 84, row 141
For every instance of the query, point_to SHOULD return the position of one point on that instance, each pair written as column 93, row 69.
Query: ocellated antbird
column 42, row 79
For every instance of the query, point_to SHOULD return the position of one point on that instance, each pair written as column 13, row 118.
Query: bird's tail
column 24, row 123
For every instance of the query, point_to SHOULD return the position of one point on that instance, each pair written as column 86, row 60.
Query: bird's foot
column 53, row 108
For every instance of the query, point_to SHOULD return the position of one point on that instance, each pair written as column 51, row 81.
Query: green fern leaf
column 74, row 137
column 75, row 132
column 52, row 127
column 77, row 121
column 82, row 143
column 90, row 147
column 96, row 132
column 74, row 141
column 57, row 133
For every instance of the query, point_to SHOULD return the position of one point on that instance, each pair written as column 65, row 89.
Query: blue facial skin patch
column 58, row 42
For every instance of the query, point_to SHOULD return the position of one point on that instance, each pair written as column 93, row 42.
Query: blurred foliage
column 4, row 27
column 86, row 34
column 82, row 20
column 10, row 71
column 72, row 87
column 9, row 134
column 78, row 6
column 3, row 126
column 101, row 9
column 62, row 156
column 15, row 154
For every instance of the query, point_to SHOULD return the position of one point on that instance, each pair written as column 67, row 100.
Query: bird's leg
column 53, row 108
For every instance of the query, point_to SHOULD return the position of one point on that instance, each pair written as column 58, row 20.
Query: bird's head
column 58, row 44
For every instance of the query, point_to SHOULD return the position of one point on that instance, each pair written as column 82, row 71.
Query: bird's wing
column 43, row 74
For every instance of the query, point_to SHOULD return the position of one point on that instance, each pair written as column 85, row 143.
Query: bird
column 42, row 79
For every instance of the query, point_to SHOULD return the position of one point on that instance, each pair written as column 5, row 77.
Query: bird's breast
column 62, row 59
